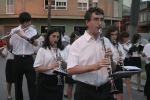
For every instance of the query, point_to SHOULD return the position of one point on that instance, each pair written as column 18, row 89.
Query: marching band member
column 45, row 62
column 147, row 68
column 112, row 34
column 124, row 40
column 22, row 48
column 68, row 79
column 5, row 53
column 135, row 57
column 87, row 62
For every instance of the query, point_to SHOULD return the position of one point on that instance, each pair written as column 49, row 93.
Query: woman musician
column 135, row 57
column 47, row 87
column 5, row 53
column 126, row 43
column 112, row 34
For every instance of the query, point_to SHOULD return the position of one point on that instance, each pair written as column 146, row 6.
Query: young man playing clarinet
column 87, row 62
column 22, row 48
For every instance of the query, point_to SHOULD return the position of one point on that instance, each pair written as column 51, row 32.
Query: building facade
column 68, row 14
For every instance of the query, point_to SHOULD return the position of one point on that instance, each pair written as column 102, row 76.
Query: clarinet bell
column 59, row 80
column 113, row 88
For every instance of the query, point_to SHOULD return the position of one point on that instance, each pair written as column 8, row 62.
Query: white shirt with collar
column 46, row 57
column 120, row 48
column 20, row 45
column 146, row 50
column 87, row 51
column 127, row 46
column 8, row 54
column 136, row 53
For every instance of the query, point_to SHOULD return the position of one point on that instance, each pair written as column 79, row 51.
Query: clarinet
column 115, row 43
column 109, row 69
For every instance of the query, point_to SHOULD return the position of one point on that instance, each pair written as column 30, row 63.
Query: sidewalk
column 134, row 79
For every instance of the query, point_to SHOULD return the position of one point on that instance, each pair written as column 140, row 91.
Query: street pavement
column 3, row 93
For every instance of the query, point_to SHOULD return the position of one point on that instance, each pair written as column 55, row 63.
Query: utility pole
column 49, row 15
column 134, row 17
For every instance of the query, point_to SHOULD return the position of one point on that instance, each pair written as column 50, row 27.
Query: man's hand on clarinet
column 105, row 62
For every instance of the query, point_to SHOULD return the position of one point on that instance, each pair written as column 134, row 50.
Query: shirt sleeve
column 146, row 50
column 39, row 60
column 5, row 52
column 121, row 49
column 73, row 57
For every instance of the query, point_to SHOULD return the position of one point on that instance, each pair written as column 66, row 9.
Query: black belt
column 99, row 88
column 22, row 56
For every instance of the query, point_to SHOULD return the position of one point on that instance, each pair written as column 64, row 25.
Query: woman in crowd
column 47, row 87
column 112, row 34
column 126, row 43
column 135, row 57
column 5, row 53
column 68, row 79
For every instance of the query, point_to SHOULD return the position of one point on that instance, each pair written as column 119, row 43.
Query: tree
column 134, row 16
column 49, row 14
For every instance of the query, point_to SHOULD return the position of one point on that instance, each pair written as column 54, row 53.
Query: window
column 148, row 16
column 44, row 28
column 9, row 6
column 145, row 17
column 82, row 5
column 95, row 3
column 141, row 17
column 80, row 29
column 56, row 4
column 116, row 10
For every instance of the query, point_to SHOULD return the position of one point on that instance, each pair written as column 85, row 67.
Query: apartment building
column 68, row 14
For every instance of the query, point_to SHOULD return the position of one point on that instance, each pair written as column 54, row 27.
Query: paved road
column 3, row 93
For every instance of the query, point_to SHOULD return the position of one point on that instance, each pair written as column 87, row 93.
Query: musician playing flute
column 112, row 34
column 87, row 62
column 22, row 48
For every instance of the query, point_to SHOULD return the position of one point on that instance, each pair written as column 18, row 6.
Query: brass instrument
column 109, row 69
column 120, row 63
column 60, row 71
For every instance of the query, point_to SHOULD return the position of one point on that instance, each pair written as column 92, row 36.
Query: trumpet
column 109, row 69
column 120, row 63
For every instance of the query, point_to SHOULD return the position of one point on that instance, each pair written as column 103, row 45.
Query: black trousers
column 147, row 83
column 24, row 65
column 87, row 92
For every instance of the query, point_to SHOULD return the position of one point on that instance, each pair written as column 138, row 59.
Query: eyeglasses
column 97, row 20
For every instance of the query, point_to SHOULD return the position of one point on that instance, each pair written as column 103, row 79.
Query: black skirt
column 9, row 72
column 47, row 87
column 69, row 80
column 135, row 61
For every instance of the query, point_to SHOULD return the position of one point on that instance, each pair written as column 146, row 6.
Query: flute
column 11, row 34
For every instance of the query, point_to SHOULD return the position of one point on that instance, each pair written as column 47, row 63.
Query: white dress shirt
column 46, row 57
column 120, row 48
column 146, row 50
column 127, row 46
column 136, row 53
column 20, row 45
column 87, row 51
column 40, row 41
column 8, row 54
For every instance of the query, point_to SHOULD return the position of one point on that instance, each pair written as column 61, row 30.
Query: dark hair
column 110, row 29
column 47, row 42
column 123, row 34
column 24, row 17
column 96, row 10
column 135, row 38
column 73, row 35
